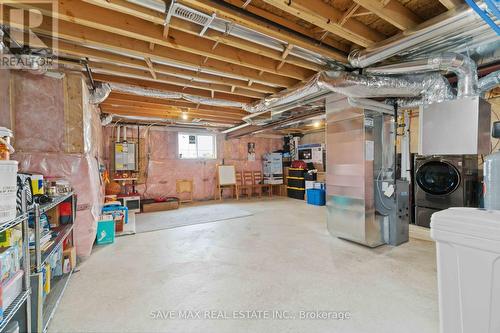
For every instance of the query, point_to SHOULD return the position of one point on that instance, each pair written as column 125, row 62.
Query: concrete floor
column 281, row 258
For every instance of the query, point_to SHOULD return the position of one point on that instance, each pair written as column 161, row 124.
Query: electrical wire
column 379, row 193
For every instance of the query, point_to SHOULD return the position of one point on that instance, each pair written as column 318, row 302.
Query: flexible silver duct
column 463, row 67
column 100, row 93
column 489, row 82
column 431, row 87
column 168, row 121
column 155, row 93
column 454, row 30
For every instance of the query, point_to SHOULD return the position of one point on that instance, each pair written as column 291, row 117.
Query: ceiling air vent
column 191, row 15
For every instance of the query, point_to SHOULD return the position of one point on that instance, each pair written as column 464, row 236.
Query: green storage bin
column 105, row 231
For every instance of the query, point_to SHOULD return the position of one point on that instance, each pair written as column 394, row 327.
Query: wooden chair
column 185, row 186
column 258, row 183
column 248, row 183
column 240, row 186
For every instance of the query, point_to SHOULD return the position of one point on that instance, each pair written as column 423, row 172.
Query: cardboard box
column 54, row 217
column 70, row 254
column 321, row 177
column 160, row 206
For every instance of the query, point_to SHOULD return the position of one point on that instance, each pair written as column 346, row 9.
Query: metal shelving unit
column 43, row 308
column 23, row 300
column 14, row 308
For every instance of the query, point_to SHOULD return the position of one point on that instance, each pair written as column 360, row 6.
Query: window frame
column 214, row 146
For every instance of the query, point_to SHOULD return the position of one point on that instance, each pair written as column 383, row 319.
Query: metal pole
column 38, row 250
column 26, row 260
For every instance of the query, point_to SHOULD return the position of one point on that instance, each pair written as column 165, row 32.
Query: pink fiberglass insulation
column 165, row 168
column 41, row 144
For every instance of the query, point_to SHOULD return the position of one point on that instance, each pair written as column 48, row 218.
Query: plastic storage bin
column 105, row 230
column 316, row 197
column 468, row 261
column 11, row 289
column 119, row 213
column 295, row 193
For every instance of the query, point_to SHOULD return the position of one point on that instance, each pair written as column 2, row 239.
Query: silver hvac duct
column 168, row 121
column 463, row 67
column 489, row 82
column 370, row 104
column 454, row 30
column 100, row 93
column 228, row 27
column 154, row 93
column 432, row 87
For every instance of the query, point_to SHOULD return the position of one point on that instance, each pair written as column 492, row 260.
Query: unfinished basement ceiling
column 234, row 50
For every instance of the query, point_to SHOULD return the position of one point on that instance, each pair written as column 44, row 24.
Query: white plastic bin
column 468, row 263
column 8, row 190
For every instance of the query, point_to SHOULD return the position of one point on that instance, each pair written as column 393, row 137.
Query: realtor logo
column 27, row 34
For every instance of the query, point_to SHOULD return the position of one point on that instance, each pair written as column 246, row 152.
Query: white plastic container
column 8, row 190
column 468, row 263
column 11, row 289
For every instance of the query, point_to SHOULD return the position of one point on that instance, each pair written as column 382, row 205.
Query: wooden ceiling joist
column 327, row 17
column 393, row 12
column 169, row 102
column 107, row 57
column 97, row 17
column 163, row 113
column 264, row 27
column 144, row 75
column 171, row 110
column 124, row 102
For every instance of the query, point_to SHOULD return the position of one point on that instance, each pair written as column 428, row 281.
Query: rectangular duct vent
column 191, row 15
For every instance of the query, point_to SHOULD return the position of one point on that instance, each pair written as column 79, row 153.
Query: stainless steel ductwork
column 462, row 66
column 489, row 82
column 456, row 30
column 167, row 121
column 206, row 21
column 431, row 87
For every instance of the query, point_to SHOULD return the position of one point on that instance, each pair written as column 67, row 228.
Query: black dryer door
column 438, row 178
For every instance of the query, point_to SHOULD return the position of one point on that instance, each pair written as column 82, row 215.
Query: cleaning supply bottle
column 492, row 175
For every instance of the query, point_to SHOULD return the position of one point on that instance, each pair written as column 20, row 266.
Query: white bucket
column 8, row 190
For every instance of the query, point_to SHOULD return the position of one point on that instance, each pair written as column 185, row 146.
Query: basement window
column 197, row 146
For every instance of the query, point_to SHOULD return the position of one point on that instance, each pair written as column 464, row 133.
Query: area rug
column 185, row 216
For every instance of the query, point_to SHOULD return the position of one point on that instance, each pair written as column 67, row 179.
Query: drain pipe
column 462, row 66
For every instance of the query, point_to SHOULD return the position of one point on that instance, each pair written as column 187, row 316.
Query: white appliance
column 133, row 203
column 311, row 153
column 468, row 267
